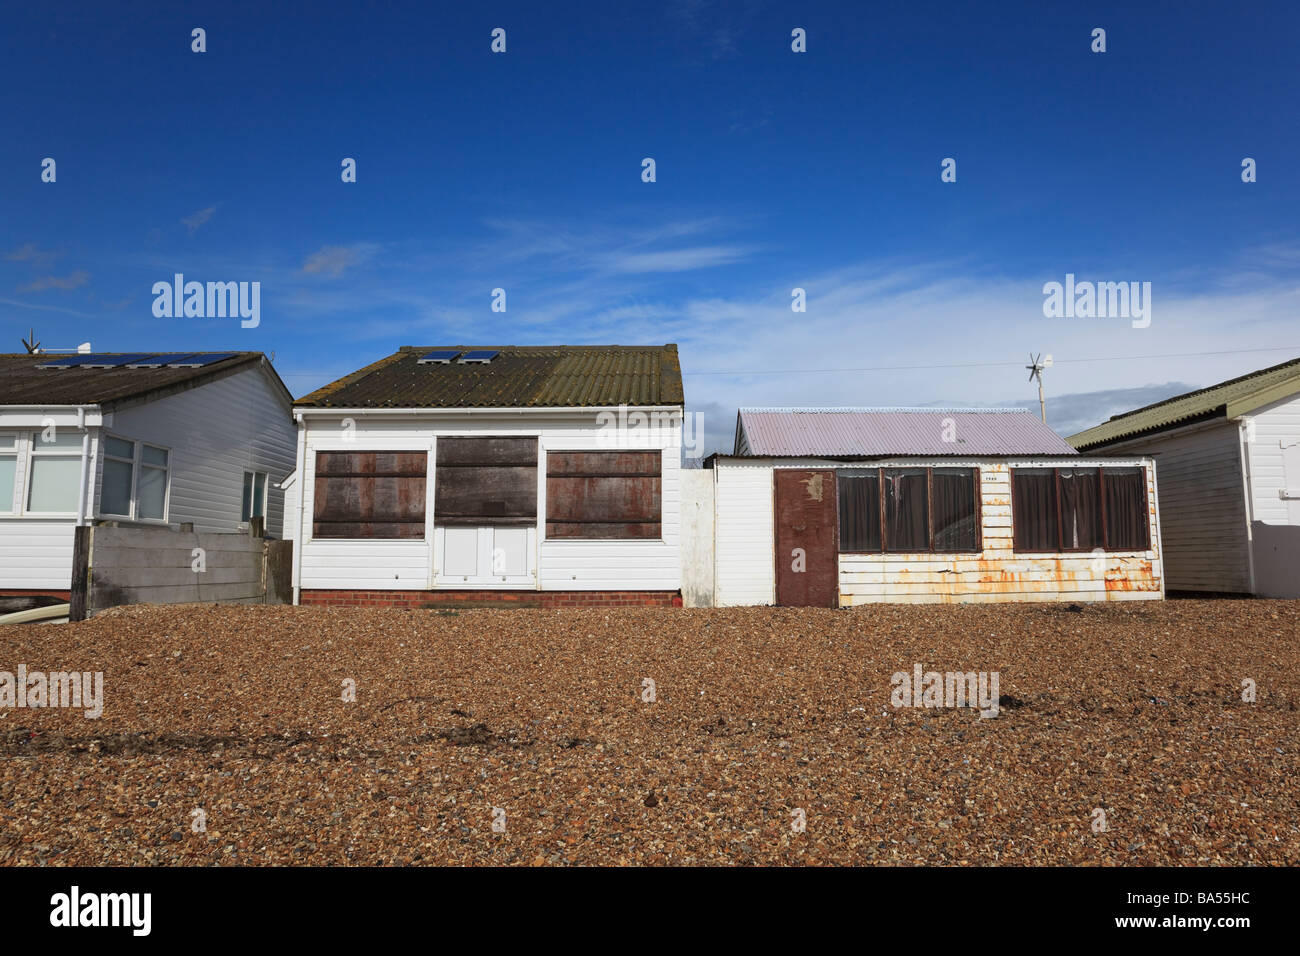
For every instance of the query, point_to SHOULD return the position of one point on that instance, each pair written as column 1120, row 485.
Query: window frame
column 13, row 507
column 885, row 549
column 266, row 484
column 137, row 465
column 34, row 453
column 1101, row 508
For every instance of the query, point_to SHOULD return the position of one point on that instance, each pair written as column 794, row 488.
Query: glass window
column 952, row 494
column 1127, row 526
column 859, row 497
column 906, row 513
column 254, row 505
column 8, row 472
column 1080, row 508
column 55, row 473
column 1033, row 497
column 135, row 480
column 115, row 496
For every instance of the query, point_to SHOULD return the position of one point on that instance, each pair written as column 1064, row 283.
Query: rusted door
column 807, row 536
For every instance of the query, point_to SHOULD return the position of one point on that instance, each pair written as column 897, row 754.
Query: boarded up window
column 604, row 494
column 859, row 497
column 907, row 513
column 485, row 481
column 953, row 496
column 369, row 494
column 1034, row 515
column 1125, row 493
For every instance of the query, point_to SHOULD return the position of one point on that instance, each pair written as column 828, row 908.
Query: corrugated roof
column 24, row 382
column 521, row 376
column 872, row 432
column 1237, row 396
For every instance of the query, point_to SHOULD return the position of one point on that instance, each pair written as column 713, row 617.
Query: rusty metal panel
column 807, row 536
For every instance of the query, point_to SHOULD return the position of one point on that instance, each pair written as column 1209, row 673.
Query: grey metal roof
column 839, row 432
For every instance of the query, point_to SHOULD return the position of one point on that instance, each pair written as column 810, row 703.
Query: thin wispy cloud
column 199, row 219
column 72, row 281
column 674, row 260
column 335, row 260
column 31, row 254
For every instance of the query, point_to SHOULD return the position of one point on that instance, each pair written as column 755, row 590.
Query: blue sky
column 775, row 170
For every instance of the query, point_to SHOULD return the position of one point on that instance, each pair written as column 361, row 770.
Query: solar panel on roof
column 70, row 361
column 115, row 361
column 156, row 360
column 200, row 359
column 439, row 357
column 480, row 355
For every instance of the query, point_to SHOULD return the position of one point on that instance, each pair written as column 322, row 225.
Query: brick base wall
column 36, row 592
column 545, row 599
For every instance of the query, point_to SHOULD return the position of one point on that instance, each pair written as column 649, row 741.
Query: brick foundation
column 545, row 599
column 36, row 592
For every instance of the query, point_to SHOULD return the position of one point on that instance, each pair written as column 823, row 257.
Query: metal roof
column 839, row 432
column 1229, row 399
column 24, row 382
column 520, row 376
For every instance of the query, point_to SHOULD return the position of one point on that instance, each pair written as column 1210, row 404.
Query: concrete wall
column 697, row 537
column 135, row 565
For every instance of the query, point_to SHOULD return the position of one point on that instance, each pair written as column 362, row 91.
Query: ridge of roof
column 1232, row 397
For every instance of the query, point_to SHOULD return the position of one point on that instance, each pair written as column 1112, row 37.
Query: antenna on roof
column 30, row 343
column 1038, row 363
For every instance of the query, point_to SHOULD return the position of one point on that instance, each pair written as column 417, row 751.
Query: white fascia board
column 36, row 416
column 405, row 412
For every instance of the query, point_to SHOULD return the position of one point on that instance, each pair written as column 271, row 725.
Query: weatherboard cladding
column 565, row 376
column 852, row 432
column 1228, row 399
column 24, row 382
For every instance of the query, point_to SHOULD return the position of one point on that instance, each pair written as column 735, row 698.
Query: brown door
column 807, row 538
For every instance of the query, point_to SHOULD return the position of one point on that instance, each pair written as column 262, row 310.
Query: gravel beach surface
column 659, row 736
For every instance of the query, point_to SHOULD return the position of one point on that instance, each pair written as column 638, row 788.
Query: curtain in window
column 952, row 493
column 859, row 498
column 906, row 518
column 1126, row 510
column 1033, row 496
column 1080, row 509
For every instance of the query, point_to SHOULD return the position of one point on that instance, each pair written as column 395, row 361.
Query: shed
column 1229, row 461
column 844, row 506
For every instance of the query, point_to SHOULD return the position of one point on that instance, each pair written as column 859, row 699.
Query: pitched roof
column 520, row 376
column 878, row 432
column 1237, row 396
column 24, row 382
